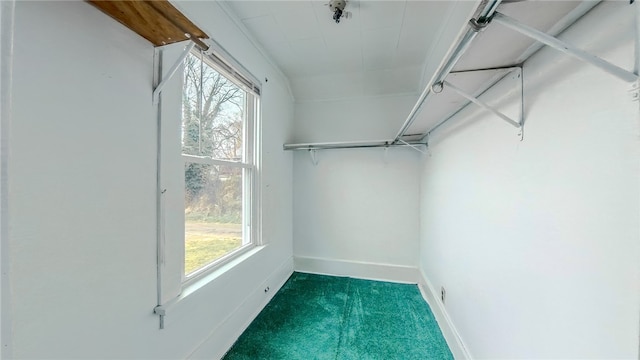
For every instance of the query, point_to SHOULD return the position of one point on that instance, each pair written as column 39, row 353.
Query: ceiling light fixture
column 337, row 9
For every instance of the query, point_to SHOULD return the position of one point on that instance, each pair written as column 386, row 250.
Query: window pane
column 213, row 111
column 213, row 213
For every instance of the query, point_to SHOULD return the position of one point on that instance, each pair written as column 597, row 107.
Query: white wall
column 82, row 206
column 353, row 119
column 6, row 51
column 356, row 211
column 537, row 242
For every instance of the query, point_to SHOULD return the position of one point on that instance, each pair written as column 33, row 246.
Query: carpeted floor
column 328, row 317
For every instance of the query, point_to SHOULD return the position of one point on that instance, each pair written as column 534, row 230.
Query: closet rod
column 348, row 145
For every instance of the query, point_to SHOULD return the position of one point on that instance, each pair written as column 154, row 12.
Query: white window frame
column 169, row 61
column 248, row 164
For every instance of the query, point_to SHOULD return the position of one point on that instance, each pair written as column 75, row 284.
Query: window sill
column 196, row 284
column 192, row 285
column 207, row 270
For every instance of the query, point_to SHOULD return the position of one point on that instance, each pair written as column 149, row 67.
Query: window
column 219, row 108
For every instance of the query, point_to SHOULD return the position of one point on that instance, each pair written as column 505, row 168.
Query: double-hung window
column 218, row 135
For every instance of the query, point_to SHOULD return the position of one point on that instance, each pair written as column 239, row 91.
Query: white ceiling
column 498, row 46
column 380, row 50
column 384, row 47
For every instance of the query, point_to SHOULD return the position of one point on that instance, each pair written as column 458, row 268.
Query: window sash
column 249, row 232
column 203, row 271
column 211, row 161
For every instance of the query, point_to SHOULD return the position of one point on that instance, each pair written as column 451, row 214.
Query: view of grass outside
column 205, row 241
column 213, row 213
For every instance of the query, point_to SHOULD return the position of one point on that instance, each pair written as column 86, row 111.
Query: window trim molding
column 251, row 155
column 172, row 286
column 210, row 161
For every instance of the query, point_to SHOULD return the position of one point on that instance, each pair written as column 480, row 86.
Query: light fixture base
column 337, row 9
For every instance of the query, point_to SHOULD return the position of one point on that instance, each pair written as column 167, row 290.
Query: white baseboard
column 447, row 327
column 221, row 339
column 356, row 269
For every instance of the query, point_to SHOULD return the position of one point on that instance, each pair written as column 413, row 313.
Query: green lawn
column 206, row 242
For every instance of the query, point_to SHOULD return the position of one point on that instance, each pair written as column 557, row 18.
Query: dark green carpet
column 328, row 317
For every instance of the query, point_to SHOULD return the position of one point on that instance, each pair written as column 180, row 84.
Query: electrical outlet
column 443, row 294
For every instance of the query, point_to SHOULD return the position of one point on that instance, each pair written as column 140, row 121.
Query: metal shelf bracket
column 484, row 105
column 314, row 157
column 515, row 72
column 172, row 71
column 562, row 46
column 414, row 147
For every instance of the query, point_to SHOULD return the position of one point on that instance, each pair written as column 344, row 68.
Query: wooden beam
column 155, row 20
